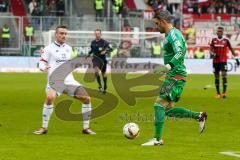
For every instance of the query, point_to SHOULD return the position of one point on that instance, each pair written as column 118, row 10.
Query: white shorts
column 68, row 82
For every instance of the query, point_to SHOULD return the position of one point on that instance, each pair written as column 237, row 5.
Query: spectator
column 125, row 47
column 177, row 19
column 52, row 8
column 156, row 49
column 190, row 35
column 28, row 33
column 115, row 8
column 204, row 9
column 155, row 5
column 4, row 6
column 46, row 10
column 47, row 21
column 98, row 6
column 60, row 8
column 211, row 9
column 149, row 2
column 120, row 5
column 41, row 8
column 6, row 36
column 32, row 7
column 125, row 11
column 199, row 54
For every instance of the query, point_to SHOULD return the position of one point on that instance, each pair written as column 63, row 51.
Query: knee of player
column 97, row 73
column 86, row 99
column 217, row 76
column 104, row 75
column 170, row 105
column 162, row 102
column 224, row 75
column 50, row 98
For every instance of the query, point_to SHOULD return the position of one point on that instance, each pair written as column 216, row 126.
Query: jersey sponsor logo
column 178, row 48
column 177, row 56
column 177, row 44
column 64, row 56
column 61, row 60
column 218, row 45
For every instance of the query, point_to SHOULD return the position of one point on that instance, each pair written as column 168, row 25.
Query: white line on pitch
column 230, row 154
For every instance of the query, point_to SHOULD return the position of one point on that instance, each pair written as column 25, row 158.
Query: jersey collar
column 170, row 31
column 59, row 45
column 220, row 38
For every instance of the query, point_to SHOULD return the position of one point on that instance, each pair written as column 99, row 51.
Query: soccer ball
column 131, row 130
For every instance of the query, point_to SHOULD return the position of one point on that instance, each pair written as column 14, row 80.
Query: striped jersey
column 220, row 49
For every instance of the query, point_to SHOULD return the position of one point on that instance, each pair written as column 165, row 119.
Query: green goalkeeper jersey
column 174, row 50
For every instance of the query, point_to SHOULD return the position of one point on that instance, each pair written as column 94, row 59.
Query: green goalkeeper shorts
column 171, row 89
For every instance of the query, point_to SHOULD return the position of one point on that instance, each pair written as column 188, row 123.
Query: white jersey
column 56, row 54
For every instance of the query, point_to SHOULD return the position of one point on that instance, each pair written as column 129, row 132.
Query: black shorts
column 221, row 66
column 100, row 63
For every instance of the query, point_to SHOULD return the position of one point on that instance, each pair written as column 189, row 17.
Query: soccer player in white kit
column 52, row 57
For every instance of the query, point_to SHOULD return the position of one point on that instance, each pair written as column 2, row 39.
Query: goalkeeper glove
column 162, row 69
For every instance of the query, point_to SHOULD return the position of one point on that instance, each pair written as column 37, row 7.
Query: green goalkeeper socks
column 161, row 112
column 181, row 112
column 159, row 120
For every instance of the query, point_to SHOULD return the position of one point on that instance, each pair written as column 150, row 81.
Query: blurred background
column 25, row 24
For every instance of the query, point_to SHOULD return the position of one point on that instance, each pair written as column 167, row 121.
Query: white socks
column 86, row 111
column 48, row 109
column 47, row 112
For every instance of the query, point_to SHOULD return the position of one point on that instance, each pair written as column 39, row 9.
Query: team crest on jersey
column 64, row 56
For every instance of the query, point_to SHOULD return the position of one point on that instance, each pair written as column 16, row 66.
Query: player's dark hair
column 220, row 28
column 98, row 30
column 61, row 26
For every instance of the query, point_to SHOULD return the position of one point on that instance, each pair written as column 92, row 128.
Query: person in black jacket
column 99, row 49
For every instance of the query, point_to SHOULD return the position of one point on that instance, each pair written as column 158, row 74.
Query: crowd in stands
column 4, row 6
column 212, row 6
column 46, row 7
column 193, row 6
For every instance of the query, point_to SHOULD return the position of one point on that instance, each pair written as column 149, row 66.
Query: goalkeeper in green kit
column 174, row 50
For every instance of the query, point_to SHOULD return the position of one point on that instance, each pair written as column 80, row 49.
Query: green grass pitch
column 22, row 96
